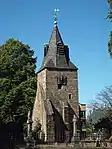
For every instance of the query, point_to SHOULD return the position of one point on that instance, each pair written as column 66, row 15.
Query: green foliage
column 109, row 16
column 94, row 116
column 110, row 44
column 88, row 131
column 17, row 80
column 103, row 104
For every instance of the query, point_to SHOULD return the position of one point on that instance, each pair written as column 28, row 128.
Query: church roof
column 55, row 37
column 56, row 54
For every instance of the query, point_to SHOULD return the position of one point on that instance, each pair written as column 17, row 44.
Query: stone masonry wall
column 47, row 89
column 60, row 96
column 39, row 112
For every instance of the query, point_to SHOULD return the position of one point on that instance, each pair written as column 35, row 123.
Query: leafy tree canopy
column 110, row 44
column 102, row 107
column 109, row 16
column 94, row 116
column 17, row 80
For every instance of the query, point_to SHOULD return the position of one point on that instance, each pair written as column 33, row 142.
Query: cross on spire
column 55, row 16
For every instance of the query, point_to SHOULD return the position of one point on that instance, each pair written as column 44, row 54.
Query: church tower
column 56, row 100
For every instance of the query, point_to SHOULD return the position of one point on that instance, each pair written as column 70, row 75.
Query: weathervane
column 55, row 16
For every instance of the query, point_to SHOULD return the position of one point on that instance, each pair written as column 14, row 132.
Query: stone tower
column 57, row 91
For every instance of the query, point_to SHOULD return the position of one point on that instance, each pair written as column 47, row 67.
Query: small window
column 70, row 96
column 82, row 114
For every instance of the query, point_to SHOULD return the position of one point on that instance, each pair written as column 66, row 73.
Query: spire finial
column 55, row 16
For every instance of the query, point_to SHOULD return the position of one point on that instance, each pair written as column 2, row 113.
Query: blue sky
column 83, row 27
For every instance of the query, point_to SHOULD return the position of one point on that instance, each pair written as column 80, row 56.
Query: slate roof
column 53, row 59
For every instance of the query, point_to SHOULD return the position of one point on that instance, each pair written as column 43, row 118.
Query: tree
column 110, row 18
column 106, row 124
column 104, row 102
column 110, row 44
column 89, row 131
column 17, row 80
column 110, row 11
column 93, row 116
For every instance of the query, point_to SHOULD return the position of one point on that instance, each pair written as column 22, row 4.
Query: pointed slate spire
column 56, row 54
column 55, row 37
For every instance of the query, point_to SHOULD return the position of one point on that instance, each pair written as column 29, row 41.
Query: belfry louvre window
column 60, row 49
